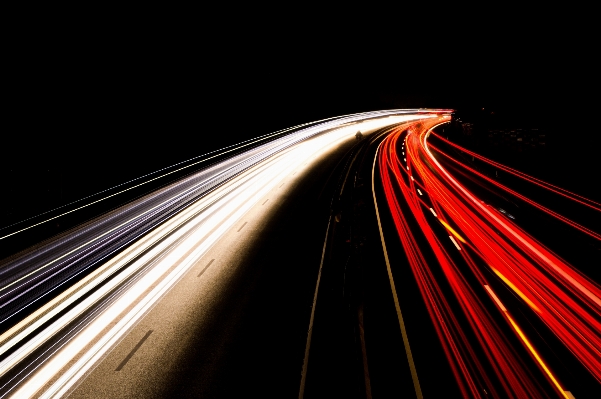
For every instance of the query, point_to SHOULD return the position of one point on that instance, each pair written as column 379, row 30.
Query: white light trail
column 179, row 244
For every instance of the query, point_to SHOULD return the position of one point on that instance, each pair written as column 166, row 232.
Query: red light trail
column 564, row 299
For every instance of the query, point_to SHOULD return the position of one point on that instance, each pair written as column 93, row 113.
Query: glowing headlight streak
column 246, row 186
column 50, row 269
column 195, row 236
column 14, row 335
column 28, row 279
column 320, row 124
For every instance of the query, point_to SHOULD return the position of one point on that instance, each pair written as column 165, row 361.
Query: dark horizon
column 96, row 150
column 87, row 112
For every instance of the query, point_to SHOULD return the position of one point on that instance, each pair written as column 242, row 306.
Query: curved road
column 319, row 263
column 203, row 288
column 478, row 271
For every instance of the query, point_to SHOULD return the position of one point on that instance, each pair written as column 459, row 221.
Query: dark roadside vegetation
column 558, row 145
column 559, row 148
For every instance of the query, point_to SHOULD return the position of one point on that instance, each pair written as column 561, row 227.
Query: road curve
column 79, row 312
column 466, row 256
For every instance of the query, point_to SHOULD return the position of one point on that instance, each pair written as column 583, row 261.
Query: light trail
column 518, row 330
column 572, row 196
column 188, row 164
column 67, row 334
column 524, row 198
column 565, row 300
column 31, row 278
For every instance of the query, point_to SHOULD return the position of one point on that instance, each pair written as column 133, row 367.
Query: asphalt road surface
column 341, row 265
column 236, row 323
column 214, row 301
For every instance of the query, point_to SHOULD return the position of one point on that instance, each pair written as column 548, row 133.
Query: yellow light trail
column 516, row 290
column 452, row 231
column 524, row 339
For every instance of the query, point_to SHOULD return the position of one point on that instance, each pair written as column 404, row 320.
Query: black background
column 95, row 97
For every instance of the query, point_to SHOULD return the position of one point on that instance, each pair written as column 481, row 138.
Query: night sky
column 92, row 102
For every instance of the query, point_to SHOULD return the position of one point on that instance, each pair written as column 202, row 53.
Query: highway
column 478, row 271
column 316, row 262
column 70, row 304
